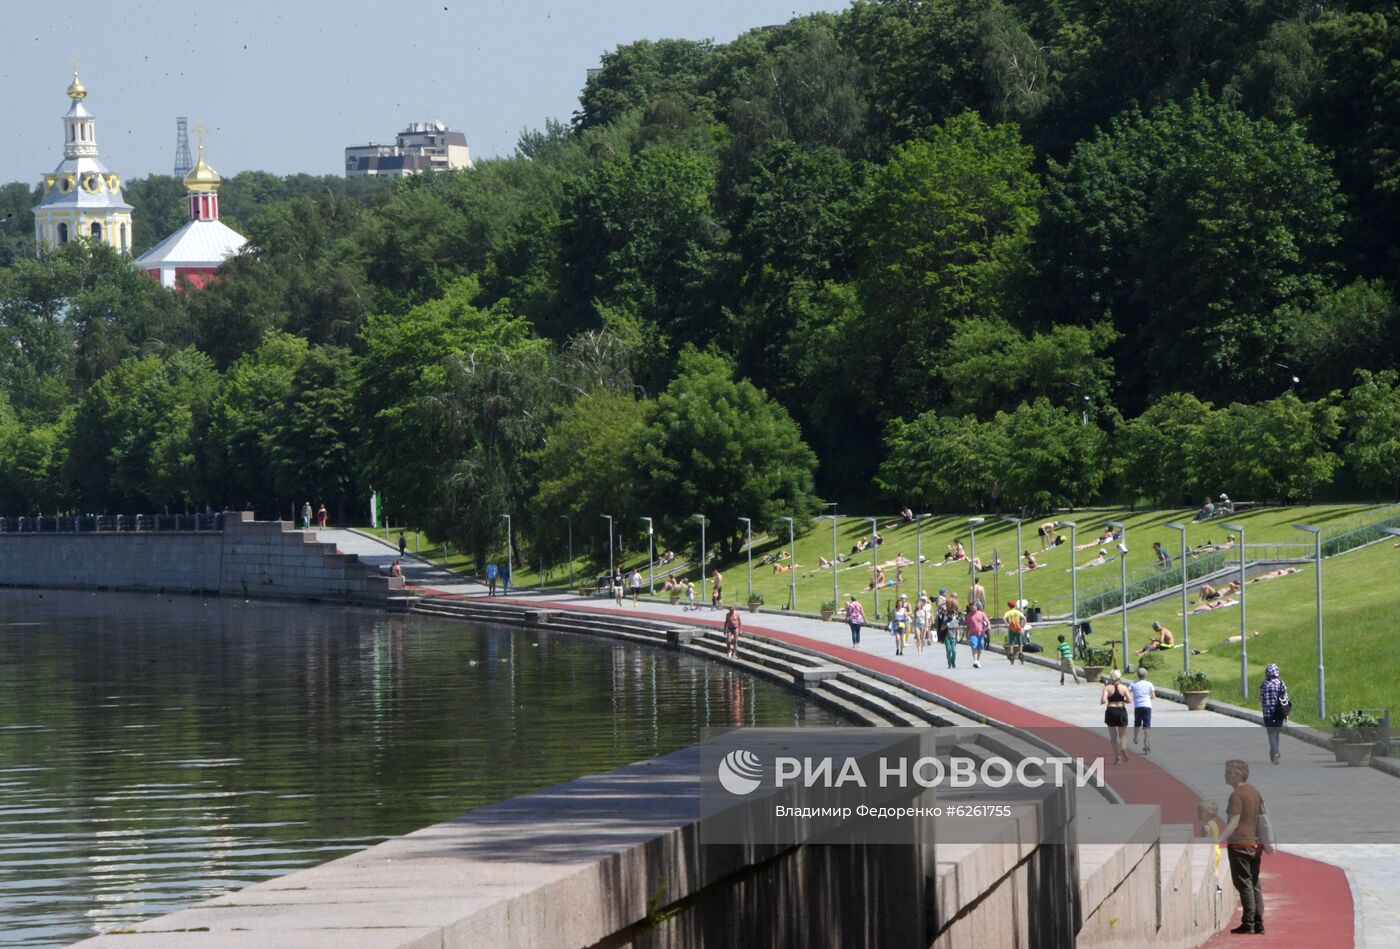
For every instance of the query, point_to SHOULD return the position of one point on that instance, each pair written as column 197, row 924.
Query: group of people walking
column 943, row 618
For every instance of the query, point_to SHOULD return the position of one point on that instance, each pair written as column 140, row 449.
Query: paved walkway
column 1309, row 900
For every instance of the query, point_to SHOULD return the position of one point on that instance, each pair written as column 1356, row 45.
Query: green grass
column 1363, row 663
column 1048, row 586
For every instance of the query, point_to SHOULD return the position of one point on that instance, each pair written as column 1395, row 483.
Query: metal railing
column 110, row 523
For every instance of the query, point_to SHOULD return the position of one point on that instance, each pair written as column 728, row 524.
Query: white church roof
column 197, row 244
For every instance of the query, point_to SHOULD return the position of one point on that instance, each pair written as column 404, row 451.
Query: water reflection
column 155, row 751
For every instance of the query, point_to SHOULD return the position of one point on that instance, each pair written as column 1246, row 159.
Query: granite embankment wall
column 246, row 558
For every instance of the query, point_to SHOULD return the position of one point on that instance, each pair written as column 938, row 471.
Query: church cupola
column 202, row 182
column 81, row 199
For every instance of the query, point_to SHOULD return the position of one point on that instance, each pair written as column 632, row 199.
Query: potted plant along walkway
column 755, row 601
column 828, row 610
column 1194, row 688
column 1096, row 660
column 1354, row 736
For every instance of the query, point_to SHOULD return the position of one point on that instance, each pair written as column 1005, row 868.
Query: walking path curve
column 1317, row 895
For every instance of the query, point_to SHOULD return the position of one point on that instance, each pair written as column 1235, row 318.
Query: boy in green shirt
column 1066, row 661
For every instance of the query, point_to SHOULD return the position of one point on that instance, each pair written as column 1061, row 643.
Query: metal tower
column 183, row 161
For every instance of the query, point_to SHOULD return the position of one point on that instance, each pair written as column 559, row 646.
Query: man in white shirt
column 1143, row 694
column 636, row 581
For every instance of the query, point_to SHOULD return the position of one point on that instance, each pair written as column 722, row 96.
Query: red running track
column 1308, row 903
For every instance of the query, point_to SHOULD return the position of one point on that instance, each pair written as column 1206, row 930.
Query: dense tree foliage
column 930, row 252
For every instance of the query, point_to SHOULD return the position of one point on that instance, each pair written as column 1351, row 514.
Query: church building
column 82, row 199
column 195, row 251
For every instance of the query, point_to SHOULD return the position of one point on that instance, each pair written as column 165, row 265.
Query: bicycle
column 1081, row 642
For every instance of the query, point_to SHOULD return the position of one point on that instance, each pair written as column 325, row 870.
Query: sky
column 284, row 85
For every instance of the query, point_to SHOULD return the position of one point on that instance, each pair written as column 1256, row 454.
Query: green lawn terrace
column 1358, row 600
column 1048, row 586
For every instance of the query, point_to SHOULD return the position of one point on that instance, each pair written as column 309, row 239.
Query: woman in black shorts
column 1116, row 696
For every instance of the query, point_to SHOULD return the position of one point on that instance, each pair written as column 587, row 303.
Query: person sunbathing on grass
column 1162, row 638
column 1209, row 592
column 955, row 552
column 1229, row 641
column 1098, row 561
column 1274, row 574
column 1213, row 605
column 785, row 568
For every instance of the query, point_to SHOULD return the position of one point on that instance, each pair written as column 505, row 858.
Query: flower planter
column 827, row 615
column 1337, row 745
column 1357, row 754
column 1093, row 673
column 753, row 607
column 1195, row 701
column 675, row 598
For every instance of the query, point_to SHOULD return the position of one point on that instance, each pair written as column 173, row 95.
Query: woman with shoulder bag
column 1276, row 706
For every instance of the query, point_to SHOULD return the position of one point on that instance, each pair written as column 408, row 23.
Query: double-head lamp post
column 748, row 532
column 1185, row 606
column 1020, row 567
column 1317, row 569
column 1244, row 633
column 919, row 549
column 1122, row 585
column 701, row 519
column 612, row 567
column 792, row 567
column 651, row 559
column 972, row 523
column 1073, row 578
column 570, row 522
column 509, row 550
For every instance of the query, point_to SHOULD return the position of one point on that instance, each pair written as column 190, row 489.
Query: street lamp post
column 509, row 551
column 919, row 550
column 1244, row 633
column 1317, row 568
column 1073, row 579
column 972, row 523
column 651, row 559
column 835, row 588
column 1122, row 584
column 1185, row 606
column 1020, row 571
column 874, row 562
column 612, row 567
column 748, row 530
column 701, row 519
column 570, row 521
column 792, row 570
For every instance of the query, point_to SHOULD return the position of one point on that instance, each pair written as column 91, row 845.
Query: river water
column 156, row 751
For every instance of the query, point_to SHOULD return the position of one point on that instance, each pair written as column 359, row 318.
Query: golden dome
column 76, row 90
column 202, row 177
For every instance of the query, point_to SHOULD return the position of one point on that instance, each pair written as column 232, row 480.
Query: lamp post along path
column 1185, row 606
column 748, row 532
column 1244, row 627
column 1123, row 585
column 1073, row 581
column 1317, row 570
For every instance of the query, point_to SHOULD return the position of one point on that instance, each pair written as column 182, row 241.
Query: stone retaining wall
column 246, row 558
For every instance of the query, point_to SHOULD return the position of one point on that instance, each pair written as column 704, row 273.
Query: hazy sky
column 285, row 85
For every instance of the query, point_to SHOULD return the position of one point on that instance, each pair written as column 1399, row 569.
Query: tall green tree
column 716, row 445
column 942, row 237
column 1190, row 228
column 1373, row 428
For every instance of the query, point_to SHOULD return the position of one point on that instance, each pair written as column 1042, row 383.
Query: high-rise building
column 81, row 198
column 423, row 146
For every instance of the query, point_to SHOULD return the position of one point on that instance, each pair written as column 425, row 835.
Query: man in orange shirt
column 1244, row 846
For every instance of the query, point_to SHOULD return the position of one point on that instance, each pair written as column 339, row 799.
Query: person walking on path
column 1116, row 695
column 690, row 604
column 491, row 578
column 732, row 625
column 948, row 633
column 321, row 517
column 1015, row 632
column 855, row 617
column 505, row 577
column 717, row 590
column 617, row 587
column 1066, row 660
column 923, row 619
column 306, row 516
column 636, row 581
column 977, row 623
column 403, row 542
column 1276, row 706
column 899, row 625
column 1143, row 693
column 1243, row 845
